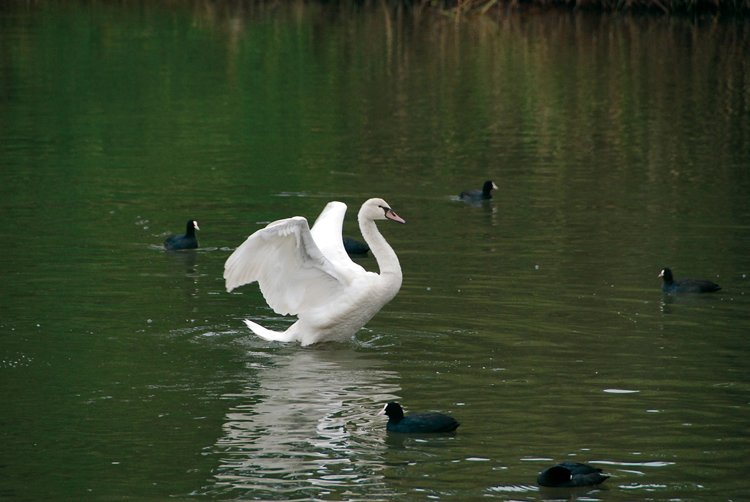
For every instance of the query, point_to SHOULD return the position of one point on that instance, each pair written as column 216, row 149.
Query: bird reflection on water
column 305, row 424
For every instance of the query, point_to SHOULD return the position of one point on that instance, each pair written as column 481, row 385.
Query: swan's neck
column 390, row 268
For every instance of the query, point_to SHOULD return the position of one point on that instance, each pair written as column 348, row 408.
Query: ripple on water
column 512, row 489
column 16, row 361
column 621, row 391
column 306, row 423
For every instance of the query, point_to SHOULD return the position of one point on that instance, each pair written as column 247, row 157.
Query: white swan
column 306, row 272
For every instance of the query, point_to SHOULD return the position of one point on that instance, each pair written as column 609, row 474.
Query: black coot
column 477, row 195
column 355, row 248
column 187, row 241
column 417, row 422
column 569, row 474
column 669, row 285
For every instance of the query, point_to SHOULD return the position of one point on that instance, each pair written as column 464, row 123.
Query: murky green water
column 620, row 146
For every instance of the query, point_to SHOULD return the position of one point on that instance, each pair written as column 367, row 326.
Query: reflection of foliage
column 283, row 94
column 460, row 8
column 539, row 69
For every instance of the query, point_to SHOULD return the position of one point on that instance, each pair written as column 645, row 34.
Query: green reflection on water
column 619, row 146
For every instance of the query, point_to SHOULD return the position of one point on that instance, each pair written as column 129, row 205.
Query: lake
column 620, row 145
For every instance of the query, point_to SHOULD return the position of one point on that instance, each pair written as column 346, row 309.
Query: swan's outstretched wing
column 327, row 234
column 292, row 273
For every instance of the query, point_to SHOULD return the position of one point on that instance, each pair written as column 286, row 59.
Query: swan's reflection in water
column 306, row 426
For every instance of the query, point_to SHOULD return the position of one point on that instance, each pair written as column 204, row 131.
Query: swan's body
column 306, row 272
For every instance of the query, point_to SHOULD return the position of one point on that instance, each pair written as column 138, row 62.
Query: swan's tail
column 267, row 334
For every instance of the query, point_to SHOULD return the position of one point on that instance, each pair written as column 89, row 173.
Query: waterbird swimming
column 570, row 474
column 669, row 285
column 306, row 272
column 477, row 195
column 186, row 241
column 417, row 422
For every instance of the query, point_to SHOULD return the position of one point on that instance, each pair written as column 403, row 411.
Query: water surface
column 620, row 146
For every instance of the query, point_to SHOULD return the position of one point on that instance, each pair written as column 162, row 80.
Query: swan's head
column 378, row 209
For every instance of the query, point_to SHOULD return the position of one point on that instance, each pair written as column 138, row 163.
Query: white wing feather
column 327, row 233
column 291, row 271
